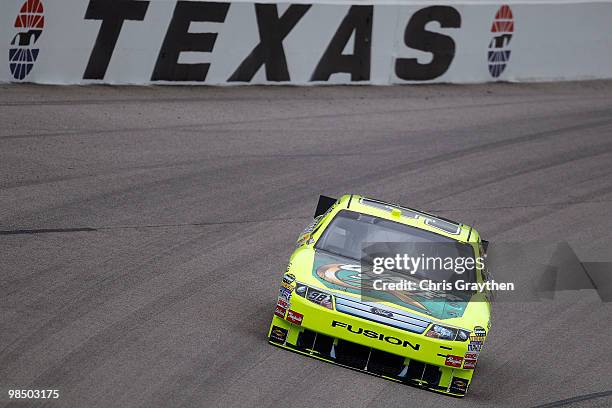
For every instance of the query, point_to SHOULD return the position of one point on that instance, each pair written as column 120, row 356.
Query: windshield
column 350, row 232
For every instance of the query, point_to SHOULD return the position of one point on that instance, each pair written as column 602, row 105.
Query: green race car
column 329, row 307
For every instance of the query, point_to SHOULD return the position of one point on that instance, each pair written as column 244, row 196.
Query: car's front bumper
column 372, row 347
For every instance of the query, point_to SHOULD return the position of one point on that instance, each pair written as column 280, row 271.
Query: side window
column 336, row 239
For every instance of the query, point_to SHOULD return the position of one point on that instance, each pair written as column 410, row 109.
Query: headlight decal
column 462, row 335
column 300, row 290
column 438, row 331
column 320, row 298
column 315, row 296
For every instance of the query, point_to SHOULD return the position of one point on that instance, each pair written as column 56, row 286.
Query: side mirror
column 323, row 205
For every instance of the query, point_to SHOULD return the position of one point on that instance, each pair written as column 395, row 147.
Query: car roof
column 409, row 216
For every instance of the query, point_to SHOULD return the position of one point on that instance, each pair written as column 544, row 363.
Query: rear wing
column 485, row 245
column 324, row 204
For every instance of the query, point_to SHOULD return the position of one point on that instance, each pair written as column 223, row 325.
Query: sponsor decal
column 375, row 335
column 477, row 338
column 480, row 331
column 282, row 303
column 469, row 364
column 307, row 233
column 502, row 29
column 278, row 334
column 453, row 361
column 381, row 312
column 458, row 385
column 280, row 311
column 471, row 356
column 294, row 317
column 287, row 286
column 285, row 294
column 28, row 26
column 475, row 347
column 288, row 278
column 302, row 239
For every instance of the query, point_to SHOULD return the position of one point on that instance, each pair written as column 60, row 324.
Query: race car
column 328, row 308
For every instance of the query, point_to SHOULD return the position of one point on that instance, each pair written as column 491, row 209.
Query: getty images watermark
column 440, row 270
column 525, row 271
column 423, row 266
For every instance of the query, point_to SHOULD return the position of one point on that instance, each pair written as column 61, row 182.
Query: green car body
column 324, row 311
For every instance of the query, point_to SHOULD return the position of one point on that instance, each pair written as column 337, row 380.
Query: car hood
column 343, row 275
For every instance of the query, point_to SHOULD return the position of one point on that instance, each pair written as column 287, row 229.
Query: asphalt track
column 145, row 229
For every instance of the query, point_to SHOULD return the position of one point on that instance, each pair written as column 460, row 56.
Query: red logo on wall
column 29, row 26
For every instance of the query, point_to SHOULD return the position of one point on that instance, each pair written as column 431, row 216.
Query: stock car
column 425, row 338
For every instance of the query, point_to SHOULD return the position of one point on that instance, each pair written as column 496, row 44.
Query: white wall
column 550, row 41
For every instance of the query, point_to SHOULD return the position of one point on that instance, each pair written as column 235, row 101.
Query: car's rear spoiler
column 324, row 204
column 485, row 245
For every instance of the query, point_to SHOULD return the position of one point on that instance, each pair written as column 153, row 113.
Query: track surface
column 196, row 195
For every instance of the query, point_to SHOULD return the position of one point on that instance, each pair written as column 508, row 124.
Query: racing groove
column 143, row 232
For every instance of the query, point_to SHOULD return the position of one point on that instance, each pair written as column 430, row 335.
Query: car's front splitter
column 375, row 362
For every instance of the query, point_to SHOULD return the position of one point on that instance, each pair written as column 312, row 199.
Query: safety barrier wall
column 235, row 43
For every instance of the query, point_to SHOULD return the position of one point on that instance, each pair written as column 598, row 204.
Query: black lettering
column 178, row 39
column 441, row 46
column 270, row 51
column 407, row 343
column 358, row 20
column 370, row 333
column 350, row 328
column 395, row 341
column 374, row 335
column 113, row 14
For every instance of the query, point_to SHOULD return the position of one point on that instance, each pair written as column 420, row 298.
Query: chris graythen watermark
column 430, row 285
